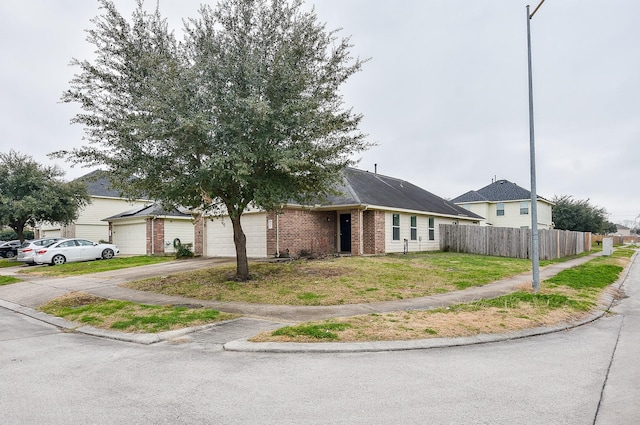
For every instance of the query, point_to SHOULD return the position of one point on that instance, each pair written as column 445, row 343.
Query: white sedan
column 69, row 250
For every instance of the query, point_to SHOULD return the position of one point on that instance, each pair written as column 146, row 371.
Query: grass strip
column 6, row 280
column 87, row 267
column 127, row 316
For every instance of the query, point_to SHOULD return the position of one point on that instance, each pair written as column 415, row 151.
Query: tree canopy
column 579, row 215
column 244, row 110
column 30, row 192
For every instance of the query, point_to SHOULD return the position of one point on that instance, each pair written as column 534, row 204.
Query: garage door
column 53, row 233
column 131, row 239
column 220, row 236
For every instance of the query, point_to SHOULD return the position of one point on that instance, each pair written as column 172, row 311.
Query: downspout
column 277, row 235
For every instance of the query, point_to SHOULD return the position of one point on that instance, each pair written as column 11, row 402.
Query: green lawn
column 343, row 280
column 127, row 316
column 94, row 266
column 6, row 280
column 566, row 297
column 9, row 263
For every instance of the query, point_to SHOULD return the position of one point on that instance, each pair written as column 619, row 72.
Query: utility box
column 607, row 246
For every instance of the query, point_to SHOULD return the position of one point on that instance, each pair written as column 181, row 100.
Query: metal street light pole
column 535, row 252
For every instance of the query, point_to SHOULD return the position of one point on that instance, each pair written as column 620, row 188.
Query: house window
column 432, row 229
column 500, row 208
column 524, row 208
column 396, row 227
column 414, row 228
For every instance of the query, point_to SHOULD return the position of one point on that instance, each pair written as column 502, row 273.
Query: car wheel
column 9, row 254
column 107, row 254
column 58, row 259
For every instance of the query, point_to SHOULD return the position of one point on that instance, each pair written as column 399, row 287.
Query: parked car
column 27, row 250
column 70, row 250
column 9, row 249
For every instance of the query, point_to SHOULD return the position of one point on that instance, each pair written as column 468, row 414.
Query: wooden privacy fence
column 512, row 242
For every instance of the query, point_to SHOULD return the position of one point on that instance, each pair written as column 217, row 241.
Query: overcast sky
column 444, row 95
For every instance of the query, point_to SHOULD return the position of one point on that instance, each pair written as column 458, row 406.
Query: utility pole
column 535, row 251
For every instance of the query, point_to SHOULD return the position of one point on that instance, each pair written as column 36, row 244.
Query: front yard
column 569, row 296
column 343, row 280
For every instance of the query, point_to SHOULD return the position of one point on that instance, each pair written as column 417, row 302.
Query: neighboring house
column 150, row 230
column 105, row 202
column 623, row 230
column 505, row 204
column 375, row 214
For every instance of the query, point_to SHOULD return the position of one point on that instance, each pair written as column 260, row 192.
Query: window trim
column 432, row 229
column 413, row 224
column 500, row 210
column 395, row 228
column 525, row 208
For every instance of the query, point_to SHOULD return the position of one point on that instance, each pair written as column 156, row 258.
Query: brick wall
column 158, row 235
column 373, row 232
column 198, row 241
column 302, row 231
column 68, row 231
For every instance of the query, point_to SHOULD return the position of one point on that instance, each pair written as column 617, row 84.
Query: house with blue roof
column 505, row 204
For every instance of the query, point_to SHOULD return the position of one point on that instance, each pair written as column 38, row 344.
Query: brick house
column 374, row 214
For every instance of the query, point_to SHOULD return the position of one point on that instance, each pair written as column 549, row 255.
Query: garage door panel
column 220, row 236
column 131, row 239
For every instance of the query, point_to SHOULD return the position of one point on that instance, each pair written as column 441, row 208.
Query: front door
column 345, row 232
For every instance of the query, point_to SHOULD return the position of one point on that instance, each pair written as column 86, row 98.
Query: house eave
column 365, row 207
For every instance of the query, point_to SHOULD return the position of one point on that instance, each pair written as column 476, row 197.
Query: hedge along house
column 374, row 214
column 150, row 230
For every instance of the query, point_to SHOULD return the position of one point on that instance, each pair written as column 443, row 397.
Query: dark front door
column 345, row 232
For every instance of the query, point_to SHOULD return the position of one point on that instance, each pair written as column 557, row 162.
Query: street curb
column 243, row 345
column 138, row 338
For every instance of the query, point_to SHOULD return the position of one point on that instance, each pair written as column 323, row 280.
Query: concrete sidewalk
column 24, row 297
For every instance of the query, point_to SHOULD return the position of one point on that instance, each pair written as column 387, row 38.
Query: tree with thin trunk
column 32, row 193
column 244, row 111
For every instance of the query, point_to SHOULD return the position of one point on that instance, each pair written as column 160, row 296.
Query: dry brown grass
column 408, row 325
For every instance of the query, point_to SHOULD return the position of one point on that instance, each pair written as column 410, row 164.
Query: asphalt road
column 585, row 375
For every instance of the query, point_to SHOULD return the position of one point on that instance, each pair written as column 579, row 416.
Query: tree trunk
column 19, row 229
column 240, row 240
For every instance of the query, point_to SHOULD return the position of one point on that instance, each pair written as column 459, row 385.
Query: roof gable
column 498, row 191
column 365, row 188
column 152, row 210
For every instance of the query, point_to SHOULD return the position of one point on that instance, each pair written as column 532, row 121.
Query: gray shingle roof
column 98, row 184
column 151, row 210
column 365, row 188
column 498, row 191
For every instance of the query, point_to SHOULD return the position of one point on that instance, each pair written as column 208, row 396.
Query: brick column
column 198, row 236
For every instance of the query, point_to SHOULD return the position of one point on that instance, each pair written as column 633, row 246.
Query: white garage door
column 53, row 233
column 220, row 236
column 131, row 239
